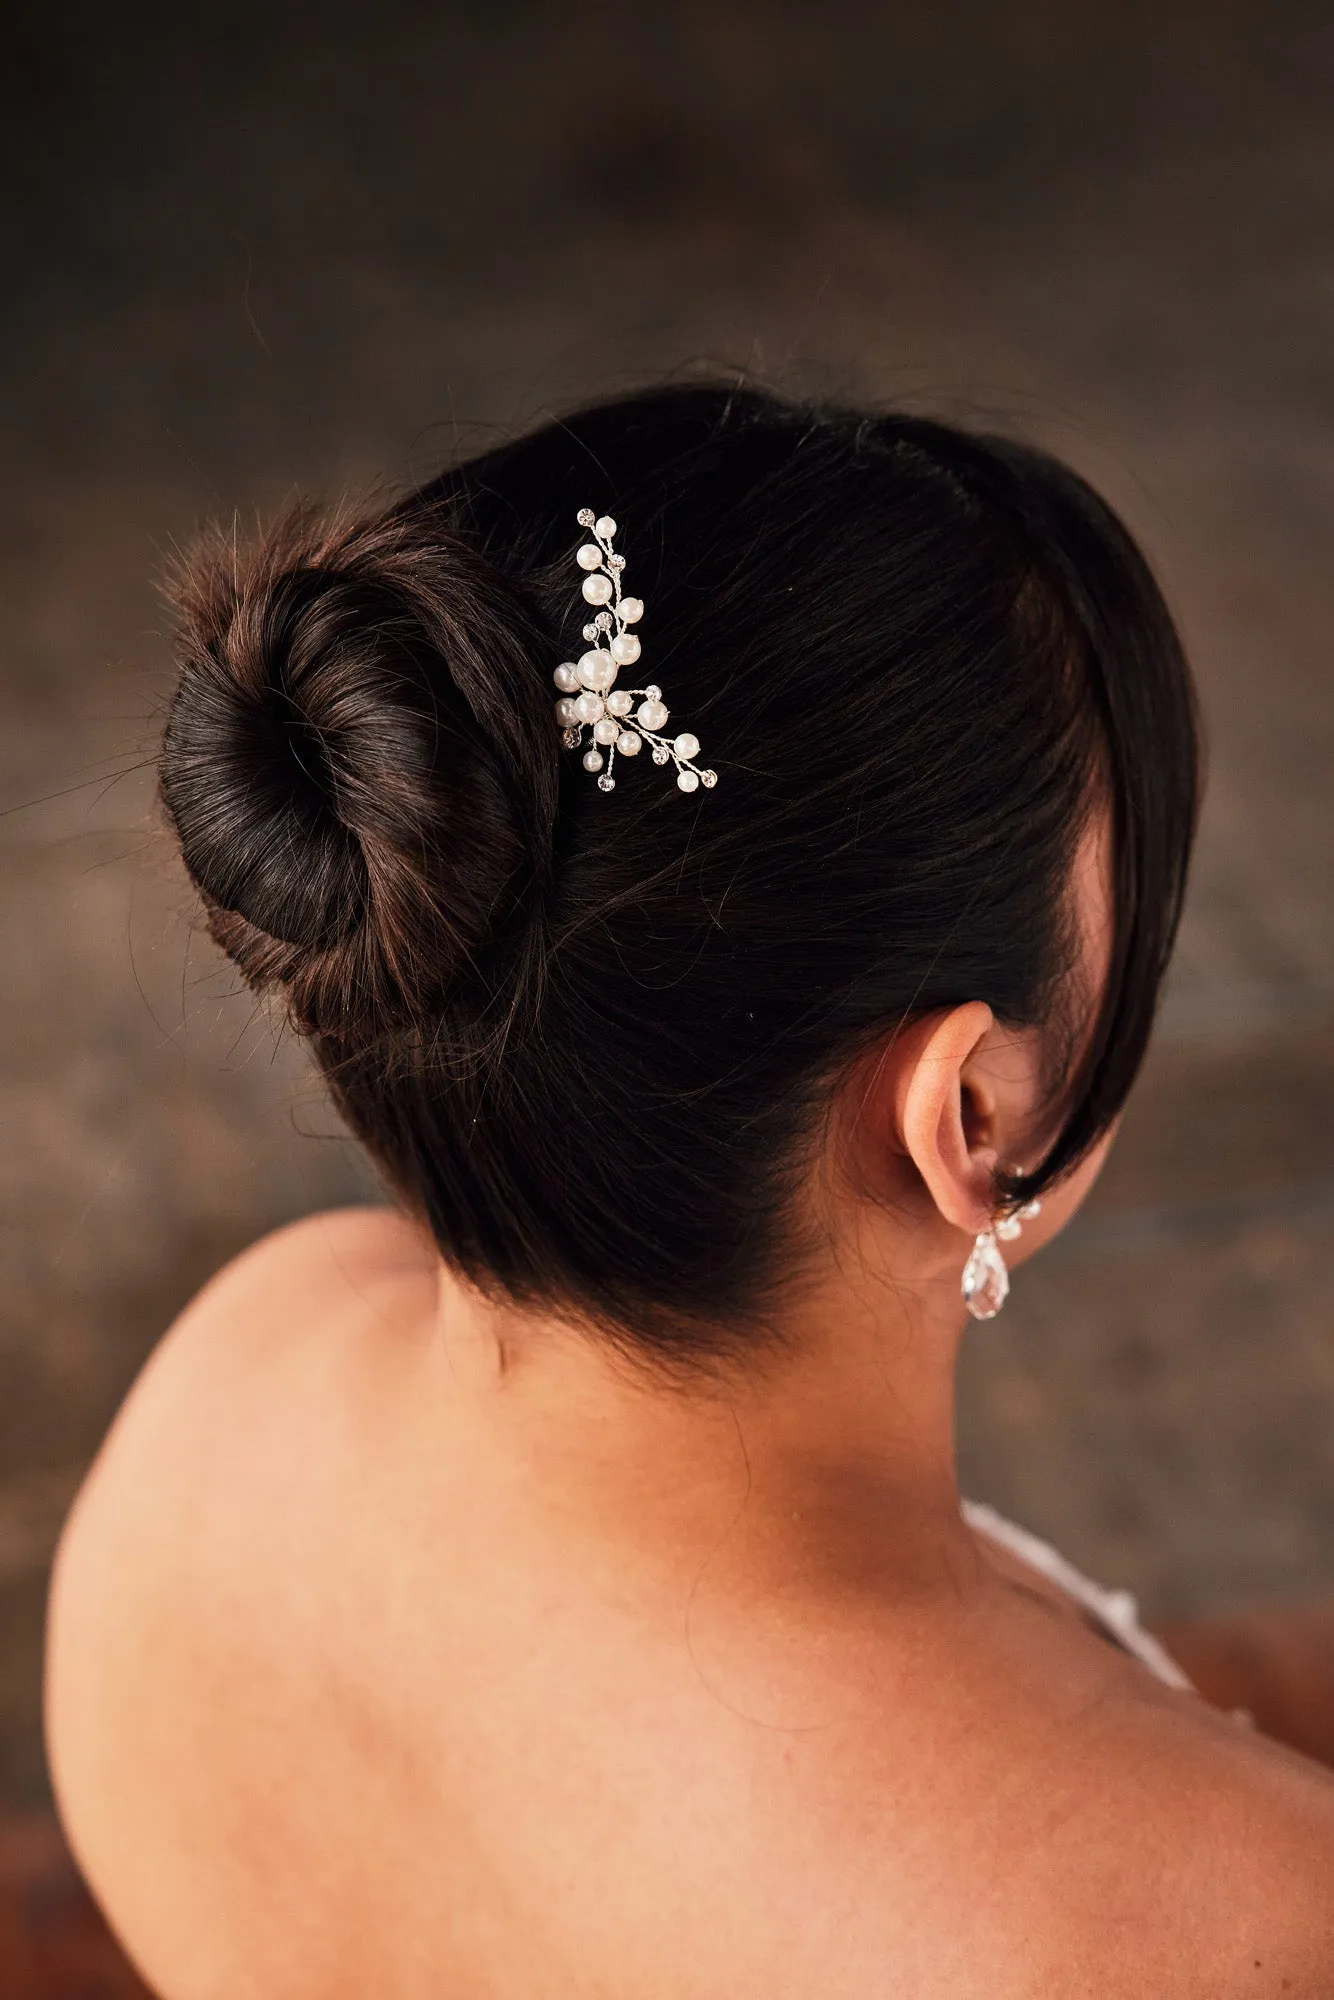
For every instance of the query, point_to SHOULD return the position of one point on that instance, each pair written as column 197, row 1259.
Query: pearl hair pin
column 621, row 719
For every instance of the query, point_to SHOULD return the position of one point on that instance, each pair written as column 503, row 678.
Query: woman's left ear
column 946, row 1115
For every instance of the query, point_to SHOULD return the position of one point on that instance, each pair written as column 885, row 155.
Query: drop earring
column 986, row 1282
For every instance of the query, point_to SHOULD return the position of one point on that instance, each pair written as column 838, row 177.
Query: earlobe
column 945, row 1122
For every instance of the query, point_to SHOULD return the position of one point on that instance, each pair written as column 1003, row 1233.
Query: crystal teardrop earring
column 986, row 1281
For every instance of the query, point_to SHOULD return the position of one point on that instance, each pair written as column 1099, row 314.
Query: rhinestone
column 603, row 622
column 709, row 778
column 986, row 1282
column 661, row 754
column 591, row 631
column 615, row 562
column 571, row 739
column 606, row 783
column 652, row 694
column 585, row 517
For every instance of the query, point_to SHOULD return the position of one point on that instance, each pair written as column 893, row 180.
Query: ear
column 946, row 1113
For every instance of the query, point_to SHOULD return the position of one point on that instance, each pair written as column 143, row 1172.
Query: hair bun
column 359, row 761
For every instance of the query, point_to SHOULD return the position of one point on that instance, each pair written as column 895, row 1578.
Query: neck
column 837, row 1444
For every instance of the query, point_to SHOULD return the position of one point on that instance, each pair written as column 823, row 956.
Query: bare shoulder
column 296, row 1274
column 231, row 1353
column 289, row 1285
column 1231, row 1837
column 153, row 1606
column 1273, row 1828
column 243, row 1333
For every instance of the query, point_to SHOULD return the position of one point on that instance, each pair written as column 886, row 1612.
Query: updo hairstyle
column 592, row 1038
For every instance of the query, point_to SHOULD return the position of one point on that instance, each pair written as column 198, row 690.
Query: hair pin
column 621, row 719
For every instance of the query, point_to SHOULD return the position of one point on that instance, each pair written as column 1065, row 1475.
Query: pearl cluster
column 621, row 719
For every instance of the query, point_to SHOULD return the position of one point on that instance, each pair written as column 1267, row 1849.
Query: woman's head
column 592, row 1038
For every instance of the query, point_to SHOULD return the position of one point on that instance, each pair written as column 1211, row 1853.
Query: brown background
column 289, row 248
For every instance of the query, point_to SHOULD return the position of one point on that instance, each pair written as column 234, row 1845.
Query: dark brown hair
column 590, row 1037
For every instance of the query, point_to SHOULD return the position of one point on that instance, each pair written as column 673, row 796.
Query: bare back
column 336, row 1708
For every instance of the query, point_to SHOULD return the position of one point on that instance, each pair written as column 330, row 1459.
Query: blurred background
column 263, row 250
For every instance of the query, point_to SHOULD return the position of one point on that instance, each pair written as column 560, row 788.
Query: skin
column 407, row 1645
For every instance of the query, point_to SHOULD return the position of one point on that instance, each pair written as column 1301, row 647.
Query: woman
column 557, row 1584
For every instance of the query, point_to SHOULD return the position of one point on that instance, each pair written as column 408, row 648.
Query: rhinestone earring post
column 986, row 1281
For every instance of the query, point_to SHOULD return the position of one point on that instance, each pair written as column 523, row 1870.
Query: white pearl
column 687, row 780
column 593, row 760
column 598, row 589
column 566, row 712
column 628, row 743
column 652, row 714
column 620, row 703
column 686, row 745
column 597, row 670
column 625, row 649
column 589, row 707
column 605, row 527
column 566, row 677
column 606, row 731
column 589, row 556
column 632, row 609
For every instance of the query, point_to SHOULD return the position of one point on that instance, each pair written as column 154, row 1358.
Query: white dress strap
column 1114, row 1610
